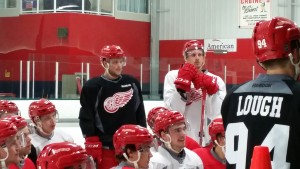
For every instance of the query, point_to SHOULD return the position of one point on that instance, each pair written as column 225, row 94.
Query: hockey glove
column 206, row 82
column 93, row 147
column 185, row 75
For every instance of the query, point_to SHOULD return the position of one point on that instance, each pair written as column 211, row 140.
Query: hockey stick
column 201, row 132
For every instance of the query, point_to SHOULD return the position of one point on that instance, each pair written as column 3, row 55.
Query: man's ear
column 296, row 55
column 184, row 57
column 164, row 136
column 36, row 119
column 129, row 152
column 104, row 63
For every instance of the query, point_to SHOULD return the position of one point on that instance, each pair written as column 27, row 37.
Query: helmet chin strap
column 296, row 66
column 22, row 162
column 222, row 147
column 42, row 132
column 135, row 163
column 168, row 144
column 2, row 161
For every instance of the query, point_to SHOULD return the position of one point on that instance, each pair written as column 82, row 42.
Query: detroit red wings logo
column 118, row 100
column 195, row 95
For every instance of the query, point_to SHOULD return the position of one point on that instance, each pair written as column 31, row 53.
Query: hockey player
column 64, row 155
column 193, row 83
column 108, row 102
column 9, row 144
column 151, row 116
column 8, row 108
column 25, row 148
column 153, row 113
column 170, row 127
column 44, row 116
column 132, row 146
column 265, row 111
column 214, row 157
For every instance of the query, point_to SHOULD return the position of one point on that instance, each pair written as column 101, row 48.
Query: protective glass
column 145, row 148
column 177, row 129
column 88, row 163
column 116, row 61
column 13, row 141
column 53, row 117
column 21, row 139
column 195, row 53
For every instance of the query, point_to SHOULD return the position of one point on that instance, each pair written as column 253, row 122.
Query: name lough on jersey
column 262, row 105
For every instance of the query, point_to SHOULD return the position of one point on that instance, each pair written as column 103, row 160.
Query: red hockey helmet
column 7, row 129
column 19, row 121
column 62, row 155
column 131, row 134
column 8, row 107
column 216, row 127
column 271, row 39
column 165, row 119
column 192, row 45
column 110, row 52
column 40, row 108
column 153, row 114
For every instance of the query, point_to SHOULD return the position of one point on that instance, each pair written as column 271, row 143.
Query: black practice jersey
column 107, row 104
column 265, row 111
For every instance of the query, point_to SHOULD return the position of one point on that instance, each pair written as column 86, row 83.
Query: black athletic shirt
column 265, row 111
column 118, row 102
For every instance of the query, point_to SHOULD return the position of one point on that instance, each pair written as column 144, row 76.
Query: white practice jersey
column 162, row 159
column 192, row 108
column 40, row 142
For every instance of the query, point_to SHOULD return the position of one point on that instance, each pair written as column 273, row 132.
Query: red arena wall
column 36, row 37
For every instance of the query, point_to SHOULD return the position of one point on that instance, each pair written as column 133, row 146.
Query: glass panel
column 72, row 79
column 9, row 79
column 2, row 3
column 122, row 5
column 8, row 3
column 136, row 6
column 11, row 3
column 69, row 4
column 46, row 4
column 93, row 5
column 106, row 6
column 73, row 71
column 144, row 6
column 29, row 5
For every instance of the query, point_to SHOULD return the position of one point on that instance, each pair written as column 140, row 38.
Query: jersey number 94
column 276, row 140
